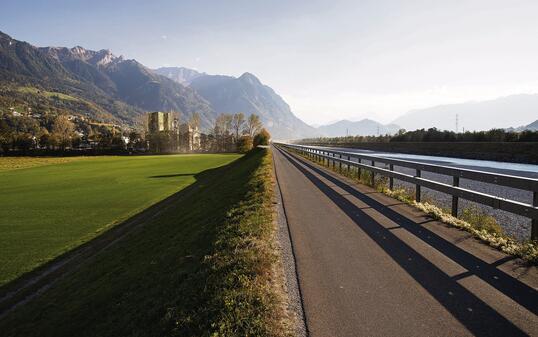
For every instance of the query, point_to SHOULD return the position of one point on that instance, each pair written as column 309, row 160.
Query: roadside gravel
column 288, row 263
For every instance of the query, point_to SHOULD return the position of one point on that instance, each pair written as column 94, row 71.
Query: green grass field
column 49, row 206
column 203, row 267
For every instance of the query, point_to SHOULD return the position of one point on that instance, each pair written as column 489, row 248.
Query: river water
column 524, row 170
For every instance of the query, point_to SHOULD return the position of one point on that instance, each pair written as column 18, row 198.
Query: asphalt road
column 369, row 265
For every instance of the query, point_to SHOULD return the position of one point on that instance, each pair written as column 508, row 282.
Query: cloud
column 164, row 37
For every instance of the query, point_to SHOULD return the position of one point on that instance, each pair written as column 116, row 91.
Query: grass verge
column 474, row 221
column 202, row 267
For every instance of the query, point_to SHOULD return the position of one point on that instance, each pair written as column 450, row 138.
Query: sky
column 329, row 60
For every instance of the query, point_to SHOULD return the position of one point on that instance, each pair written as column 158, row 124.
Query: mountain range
column 246, row 93
column 365, row 127
column 483, row 115
column 113, row 89
column 121, row 89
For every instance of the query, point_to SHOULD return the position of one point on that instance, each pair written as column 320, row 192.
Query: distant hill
column 179, row 74
column 530, row 127
column 484, row 115
column 365, row 127
column 247, row 94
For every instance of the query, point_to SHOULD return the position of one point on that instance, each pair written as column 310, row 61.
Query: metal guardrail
column 527, row 210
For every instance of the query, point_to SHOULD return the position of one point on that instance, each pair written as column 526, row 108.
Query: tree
column 63, row 129
column 5, row 141
column 44, row 139
column 262, row 138
column 23, row 141
column 136, row 140
column 244, row 144
column 195, row 120
column 253, row 125
column 237, row 123
column 221, row 130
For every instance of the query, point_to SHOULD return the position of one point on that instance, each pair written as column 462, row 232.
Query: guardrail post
column 391, row 179
column 455, row 182
column 334, row 162
column 534, row 225
column 373, row 175
column 359, row 170
column 417, row 188
column 340, row 165
column 348, row 165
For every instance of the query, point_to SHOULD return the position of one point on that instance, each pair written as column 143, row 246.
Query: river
column 523, row 170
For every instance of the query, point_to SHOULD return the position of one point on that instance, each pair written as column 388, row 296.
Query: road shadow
column 477, row 316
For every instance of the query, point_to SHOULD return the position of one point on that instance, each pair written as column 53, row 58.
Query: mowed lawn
column 50, row 206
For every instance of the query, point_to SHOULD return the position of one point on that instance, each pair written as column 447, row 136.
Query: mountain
column 179, row 74
column 484, row 115
column 530, row 127
column 109, row 87
column 365, row 127
column 247, row 94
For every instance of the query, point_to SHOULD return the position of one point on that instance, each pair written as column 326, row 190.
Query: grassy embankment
column 50, row 205
column 472, row 220
column 203, row 267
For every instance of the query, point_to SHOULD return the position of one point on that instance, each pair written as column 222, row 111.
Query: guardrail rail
column 516, row 207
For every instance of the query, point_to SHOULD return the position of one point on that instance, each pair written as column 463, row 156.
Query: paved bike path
column 370, row 266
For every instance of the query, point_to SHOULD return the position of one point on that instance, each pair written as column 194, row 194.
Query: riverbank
column 517, row 152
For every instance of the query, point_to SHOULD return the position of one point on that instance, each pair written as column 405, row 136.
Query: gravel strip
column 288, row 263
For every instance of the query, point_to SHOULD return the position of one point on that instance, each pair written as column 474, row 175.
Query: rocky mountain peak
column 250, row 78
column 104, row 57
column 181, row 75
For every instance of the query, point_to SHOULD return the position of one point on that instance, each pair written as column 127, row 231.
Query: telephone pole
column 457, row 123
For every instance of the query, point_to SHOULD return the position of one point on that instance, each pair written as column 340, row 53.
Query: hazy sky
column 328, row 59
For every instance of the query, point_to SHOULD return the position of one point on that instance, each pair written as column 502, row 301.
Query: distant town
column 29, row 131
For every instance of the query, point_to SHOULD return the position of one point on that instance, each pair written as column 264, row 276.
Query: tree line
column 229, row 133
column 433, row 135
column 62, row 132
